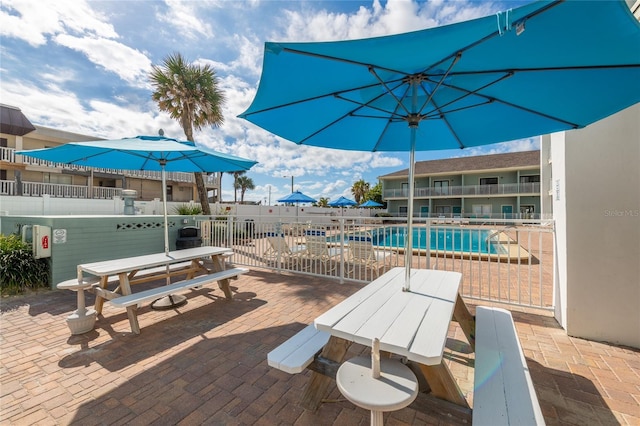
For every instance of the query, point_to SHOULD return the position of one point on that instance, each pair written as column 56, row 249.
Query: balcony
column 466, row 191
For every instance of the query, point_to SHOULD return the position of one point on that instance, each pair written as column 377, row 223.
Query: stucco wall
column 596, row 202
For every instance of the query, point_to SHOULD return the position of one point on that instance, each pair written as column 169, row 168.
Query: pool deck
column 205, row 363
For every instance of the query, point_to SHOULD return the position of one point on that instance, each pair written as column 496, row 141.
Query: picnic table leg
column 99, row 303
column 442, row 383
column 317, row 387
column 218, row 266
column 131, row 310
column 466, row 320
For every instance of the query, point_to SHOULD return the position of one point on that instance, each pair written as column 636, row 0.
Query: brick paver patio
column 205, row 363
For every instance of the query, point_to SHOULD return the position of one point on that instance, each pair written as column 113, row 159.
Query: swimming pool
column 441, row 239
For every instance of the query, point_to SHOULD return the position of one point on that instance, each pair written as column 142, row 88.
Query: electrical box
column 40, row 240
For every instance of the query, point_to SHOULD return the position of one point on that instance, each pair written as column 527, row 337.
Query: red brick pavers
column 205, row 363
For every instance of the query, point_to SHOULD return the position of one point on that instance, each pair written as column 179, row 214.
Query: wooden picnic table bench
column 151, row 267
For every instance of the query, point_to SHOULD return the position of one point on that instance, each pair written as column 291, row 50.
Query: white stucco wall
column 596, row 205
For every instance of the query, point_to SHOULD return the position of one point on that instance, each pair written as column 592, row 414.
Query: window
column 489, row 181
column 530, row 179
column 441, row 187
column 402, row 211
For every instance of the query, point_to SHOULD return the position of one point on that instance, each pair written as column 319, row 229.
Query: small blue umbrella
column 371, row 203
column 343, row 202
column 540, row 68
column 296, row 197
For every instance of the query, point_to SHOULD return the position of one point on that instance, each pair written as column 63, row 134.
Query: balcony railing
column 57, row 190
column 467, row 190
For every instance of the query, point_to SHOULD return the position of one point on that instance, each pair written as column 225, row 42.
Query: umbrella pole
column 173, row 300
column 413, row 125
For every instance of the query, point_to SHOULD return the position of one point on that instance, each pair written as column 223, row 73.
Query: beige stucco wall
column 596, row 204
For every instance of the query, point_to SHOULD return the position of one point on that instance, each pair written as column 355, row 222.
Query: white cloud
column 129, row 64
column 34, row 21
column 184, row 16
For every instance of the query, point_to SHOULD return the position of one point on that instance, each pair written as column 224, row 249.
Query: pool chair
column 363, row 256
column 318, row 253
column 278, row 247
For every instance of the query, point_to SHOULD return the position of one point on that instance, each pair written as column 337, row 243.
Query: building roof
column 511, row 160
column 13, row 121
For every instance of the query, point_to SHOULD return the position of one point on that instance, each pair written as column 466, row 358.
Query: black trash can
column 188, row 237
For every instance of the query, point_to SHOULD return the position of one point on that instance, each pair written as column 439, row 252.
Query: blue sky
column 82, row 66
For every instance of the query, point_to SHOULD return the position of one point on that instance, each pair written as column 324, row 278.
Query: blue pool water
column 449, row 239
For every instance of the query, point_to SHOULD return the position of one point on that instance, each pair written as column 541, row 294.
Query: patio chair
column 318, row 252
column 364, row 255
column 278, row 246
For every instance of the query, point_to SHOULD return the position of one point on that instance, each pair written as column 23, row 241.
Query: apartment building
column 503, row 186
column 25, row 176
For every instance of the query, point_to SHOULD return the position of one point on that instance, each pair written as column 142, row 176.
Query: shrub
column 19, row 270
column 188, row 210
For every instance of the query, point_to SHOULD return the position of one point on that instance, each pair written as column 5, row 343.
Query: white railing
column 35, row 189
column 7, row 154
column 7, row 187
column 506, row 263
column 106, row 193
column 467, row 190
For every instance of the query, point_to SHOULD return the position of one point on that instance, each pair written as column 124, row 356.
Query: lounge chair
column 279, row 248
column 364, row 255
column 318, row 252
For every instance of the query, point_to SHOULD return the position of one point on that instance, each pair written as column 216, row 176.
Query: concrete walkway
column 205, row 363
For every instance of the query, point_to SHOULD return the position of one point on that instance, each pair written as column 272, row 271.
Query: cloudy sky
column 83, row 66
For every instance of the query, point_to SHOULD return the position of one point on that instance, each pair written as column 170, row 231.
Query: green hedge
column 19, row 270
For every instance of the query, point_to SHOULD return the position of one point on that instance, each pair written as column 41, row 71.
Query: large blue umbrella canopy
column 343, row 202
column 296, row 197
column 544, row 67
column 371, row 203
column 155, row 153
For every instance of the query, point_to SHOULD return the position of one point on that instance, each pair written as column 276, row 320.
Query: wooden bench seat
column 294, row 355
column 157, row 292
column 503, row 390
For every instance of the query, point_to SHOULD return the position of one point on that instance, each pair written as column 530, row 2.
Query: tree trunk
column 202, row 194
column 202, row 189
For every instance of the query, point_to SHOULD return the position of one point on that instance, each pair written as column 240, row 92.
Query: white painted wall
column 596, row 205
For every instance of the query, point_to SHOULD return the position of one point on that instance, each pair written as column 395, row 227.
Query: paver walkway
column 205, row 363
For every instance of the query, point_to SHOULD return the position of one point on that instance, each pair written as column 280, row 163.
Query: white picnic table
column 127, row 268
column 411, row 324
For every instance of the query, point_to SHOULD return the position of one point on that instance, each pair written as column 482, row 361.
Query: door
column 424, row 211
column 507, row 211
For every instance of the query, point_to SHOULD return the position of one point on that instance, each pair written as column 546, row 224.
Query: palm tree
column 323, row 202
column 191, row 95
column 243, row 183
column 359, row 189
column 236, row 175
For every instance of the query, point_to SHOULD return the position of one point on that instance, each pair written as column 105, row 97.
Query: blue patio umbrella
column 544, row 67
column 371, row 203
column 155, row 153
column 296, row 197
column 343, row 202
